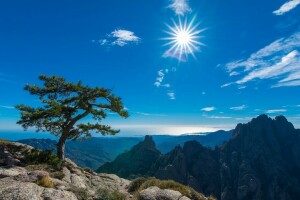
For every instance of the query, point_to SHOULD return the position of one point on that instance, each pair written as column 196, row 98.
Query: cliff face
column 135, row 162
column 261, row 161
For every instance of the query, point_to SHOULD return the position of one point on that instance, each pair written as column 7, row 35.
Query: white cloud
column 120, row 37
column 291, row 77
column 180, row 7
column 159, row 82
column 208, row 109
column 287, row 84
column 242, row 107
column 278, row 62
column 234, row 73
column 218, row 117
column 241, row 87
column 167, row 85
column 287, row 7
column 226, row 85
column 276, row 111
column 171, row 95
column 7, row 107
column 243, row 118
column 159, row 79
column 150, row 114
column 288, row 63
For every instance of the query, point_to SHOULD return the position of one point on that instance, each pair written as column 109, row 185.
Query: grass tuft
column 140, row 184
column 106, row 194
column 45, row 181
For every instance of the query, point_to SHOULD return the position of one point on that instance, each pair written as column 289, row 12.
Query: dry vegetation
column 140, row 184
column 45, row 181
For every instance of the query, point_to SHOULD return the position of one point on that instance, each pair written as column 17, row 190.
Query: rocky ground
column 22, row 178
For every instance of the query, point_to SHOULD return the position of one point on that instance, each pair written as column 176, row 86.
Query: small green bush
column 35, row 156
column 136, row 184
column 86, row 169
column 80, row 193
column 105, row 194
column 58, row 175
column 3, row 142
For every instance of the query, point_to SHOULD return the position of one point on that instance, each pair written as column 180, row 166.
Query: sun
column 183, row 39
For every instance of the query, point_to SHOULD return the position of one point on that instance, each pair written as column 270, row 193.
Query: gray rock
column 155, row 193
column 13, row 171
column 18, row 183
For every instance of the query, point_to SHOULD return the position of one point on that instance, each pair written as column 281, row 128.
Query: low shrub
column 2, row 141
column 136, row 184
column 80, row 193
column 140, row 184
column 45, row 181
column 58, row 175
column 35, row 156
column 86, row 169
column 106, row 194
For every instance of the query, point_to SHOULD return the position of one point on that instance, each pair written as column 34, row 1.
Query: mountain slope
column 260, row 161
column 88, row 153
column 135, row 162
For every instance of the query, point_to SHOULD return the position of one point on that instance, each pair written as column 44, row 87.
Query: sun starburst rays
column 183, row 39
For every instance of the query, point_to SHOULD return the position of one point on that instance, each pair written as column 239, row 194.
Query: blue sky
column 249, row 63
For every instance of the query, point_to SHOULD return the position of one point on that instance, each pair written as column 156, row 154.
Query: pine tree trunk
column 61, row 148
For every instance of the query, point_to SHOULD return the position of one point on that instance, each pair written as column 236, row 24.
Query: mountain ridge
column 260, row 161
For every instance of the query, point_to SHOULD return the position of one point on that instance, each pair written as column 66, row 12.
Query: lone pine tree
column 64, row 105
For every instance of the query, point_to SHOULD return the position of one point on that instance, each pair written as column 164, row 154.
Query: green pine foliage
column 64, row 105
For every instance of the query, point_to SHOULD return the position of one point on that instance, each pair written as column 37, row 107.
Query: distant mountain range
column 261, row 161
column 94, row 152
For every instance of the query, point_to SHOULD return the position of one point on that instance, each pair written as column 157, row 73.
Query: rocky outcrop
column 155, row 193
column 19, row 181
column 30, row 174
column 260, row 161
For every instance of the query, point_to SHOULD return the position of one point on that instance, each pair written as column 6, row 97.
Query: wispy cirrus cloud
column 8, row 78
column 216, row 117
column 7, row 107
column 208, row 109
column 150, row 114
column 286, row 7
column 278, row 62
column 120, row 37
column 180, row 7
column 275, row 111
column 226, row 85
column 171, row 95
column 288, row 63
column 242, row 107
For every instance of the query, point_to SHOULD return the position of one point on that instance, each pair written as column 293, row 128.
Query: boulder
column 155, row 193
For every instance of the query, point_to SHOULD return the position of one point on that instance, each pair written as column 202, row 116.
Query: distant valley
column 94, row 152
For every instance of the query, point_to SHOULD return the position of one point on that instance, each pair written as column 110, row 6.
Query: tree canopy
column 65, row 104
